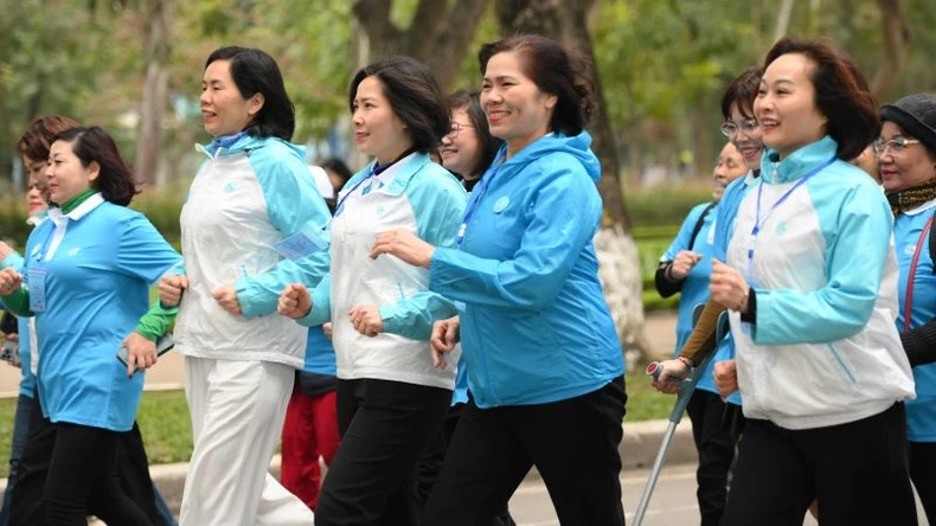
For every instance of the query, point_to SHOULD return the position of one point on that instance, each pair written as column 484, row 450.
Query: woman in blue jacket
column 544, row 361
column 906, row 152
column 88, row 267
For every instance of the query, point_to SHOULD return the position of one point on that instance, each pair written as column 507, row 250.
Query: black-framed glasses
column 898, row 145
column 457, row 127
column 746, row 126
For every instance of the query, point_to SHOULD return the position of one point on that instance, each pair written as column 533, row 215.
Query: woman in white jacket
column 391, row 399
column 810, row 283
column 251, row 204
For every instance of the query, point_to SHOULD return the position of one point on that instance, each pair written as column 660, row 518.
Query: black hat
column 916, row 115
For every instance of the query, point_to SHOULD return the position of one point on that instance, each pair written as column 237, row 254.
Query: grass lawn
column 167, row 432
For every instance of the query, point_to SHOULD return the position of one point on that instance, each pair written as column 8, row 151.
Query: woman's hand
column 226, row 297
column 141, row 353
column 366, row 319
column 295, row 301
column 728, row 288
column 445, row 334
column 171, row 289
column 726, row 377
column 671, row 376
column 10, row 281
column 405, row 245
column 682, row 265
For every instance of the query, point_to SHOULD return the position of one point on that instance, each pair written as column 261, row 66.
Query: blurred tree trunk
column 438, row 36
column 896, row 47
column 157, row 15
column 567, row 22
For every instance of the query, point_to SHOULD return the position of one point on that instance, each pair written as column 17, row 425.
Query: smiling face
column 37, row 193
column 786, row 105
column 912, row 166
column 461, row 147
column 65, row 174
column 750, row 142
column 225, row 111
column 517, row 111
column 377, row 129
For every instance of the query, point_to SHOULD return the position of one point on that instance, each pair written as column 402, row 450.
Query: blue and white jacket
column 824, row 349
column 246, row 198
column 535, row 326
column 415, row 194
column 908, row 227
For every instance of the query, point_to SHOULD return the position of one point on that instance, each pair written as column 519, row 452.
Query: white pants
column 237, row 409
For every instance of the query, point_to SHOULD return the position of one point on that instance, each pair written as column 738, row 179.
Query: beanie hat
column 916, row 115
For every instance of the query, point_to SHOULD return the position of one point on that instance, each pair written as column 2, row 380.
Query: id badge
column 37, row 289
column 302, row 244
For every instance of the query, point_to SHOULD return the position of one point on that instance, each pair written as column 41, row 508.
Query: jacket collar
column 797, row 164
column 402, row 171
column 58, row 218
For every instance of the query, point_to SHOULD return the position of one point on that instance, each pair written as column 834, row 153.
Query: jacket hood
column 579, row 146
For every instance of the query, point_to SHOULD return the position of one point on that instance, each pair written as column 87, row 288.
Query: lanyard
column 759, row 221
column 908, row 299
column 476, row 197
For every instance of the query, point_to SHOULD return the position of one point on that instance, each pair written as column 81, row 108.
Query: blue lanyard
column 376, row 170
column 476, row 197
column 759, row 222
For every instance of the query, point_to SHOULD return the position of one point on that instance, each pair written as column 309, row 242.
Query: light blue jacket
column 97, row 282
column 824, row 349
column 27, row 386
column 414, row 194
column 908, row 227
column 695, row 287
column 246, row 198
column 535, row 327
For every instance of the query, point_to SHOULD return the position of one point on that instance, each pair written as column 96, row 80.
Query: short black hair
column 414, row 95
column 255, row 71
column 742, row 91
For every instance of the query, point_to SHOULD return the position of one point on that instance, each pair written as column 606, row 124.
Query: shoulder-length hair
column 842, row 93
column 93, row 144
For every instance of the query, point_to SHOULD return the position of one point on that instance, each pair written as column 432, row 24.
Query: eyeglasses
column 898, row 145
column 731, row 129
column 456, row 127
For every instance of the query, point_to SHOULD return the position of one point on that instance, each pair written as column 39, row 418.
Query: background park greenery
column 134, row 67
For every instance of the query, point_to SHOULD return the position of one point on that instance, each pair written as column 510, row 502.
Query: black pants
column 432, row 459
column 715, row 439
column 923, row 473
column 858, row 472
column 573, row 443
column 384, row 428
column 106, row 497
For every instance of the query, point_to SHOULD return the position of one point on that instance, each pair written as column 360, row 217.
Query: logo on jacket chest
column 500, row 205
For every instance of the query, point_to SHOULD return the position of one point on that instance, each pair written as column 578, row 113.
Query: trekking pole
column 682, row 400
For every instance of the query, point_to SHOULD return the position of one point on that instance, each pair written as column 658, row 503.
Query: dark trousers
column 432, row 459
column 715, row 439
column 858, row 472
column 573, row 443
column 55, row 453
column 384, row 428
column 923, row 474
column 20, row 432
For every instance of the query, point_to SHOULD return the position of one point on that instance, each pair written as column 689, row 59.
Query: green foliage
column 645, row 402
column 166, row 427
column 654, row 207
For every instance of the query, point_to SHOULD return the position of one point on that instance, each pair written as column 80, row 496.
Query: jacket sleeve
column 665, row 287
column 856, row 254
column 561, row 221
column 294, row 205
column 439, row 208
column 321, row 304
column 920, row 344
column 144, row 253
column 14, row 260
